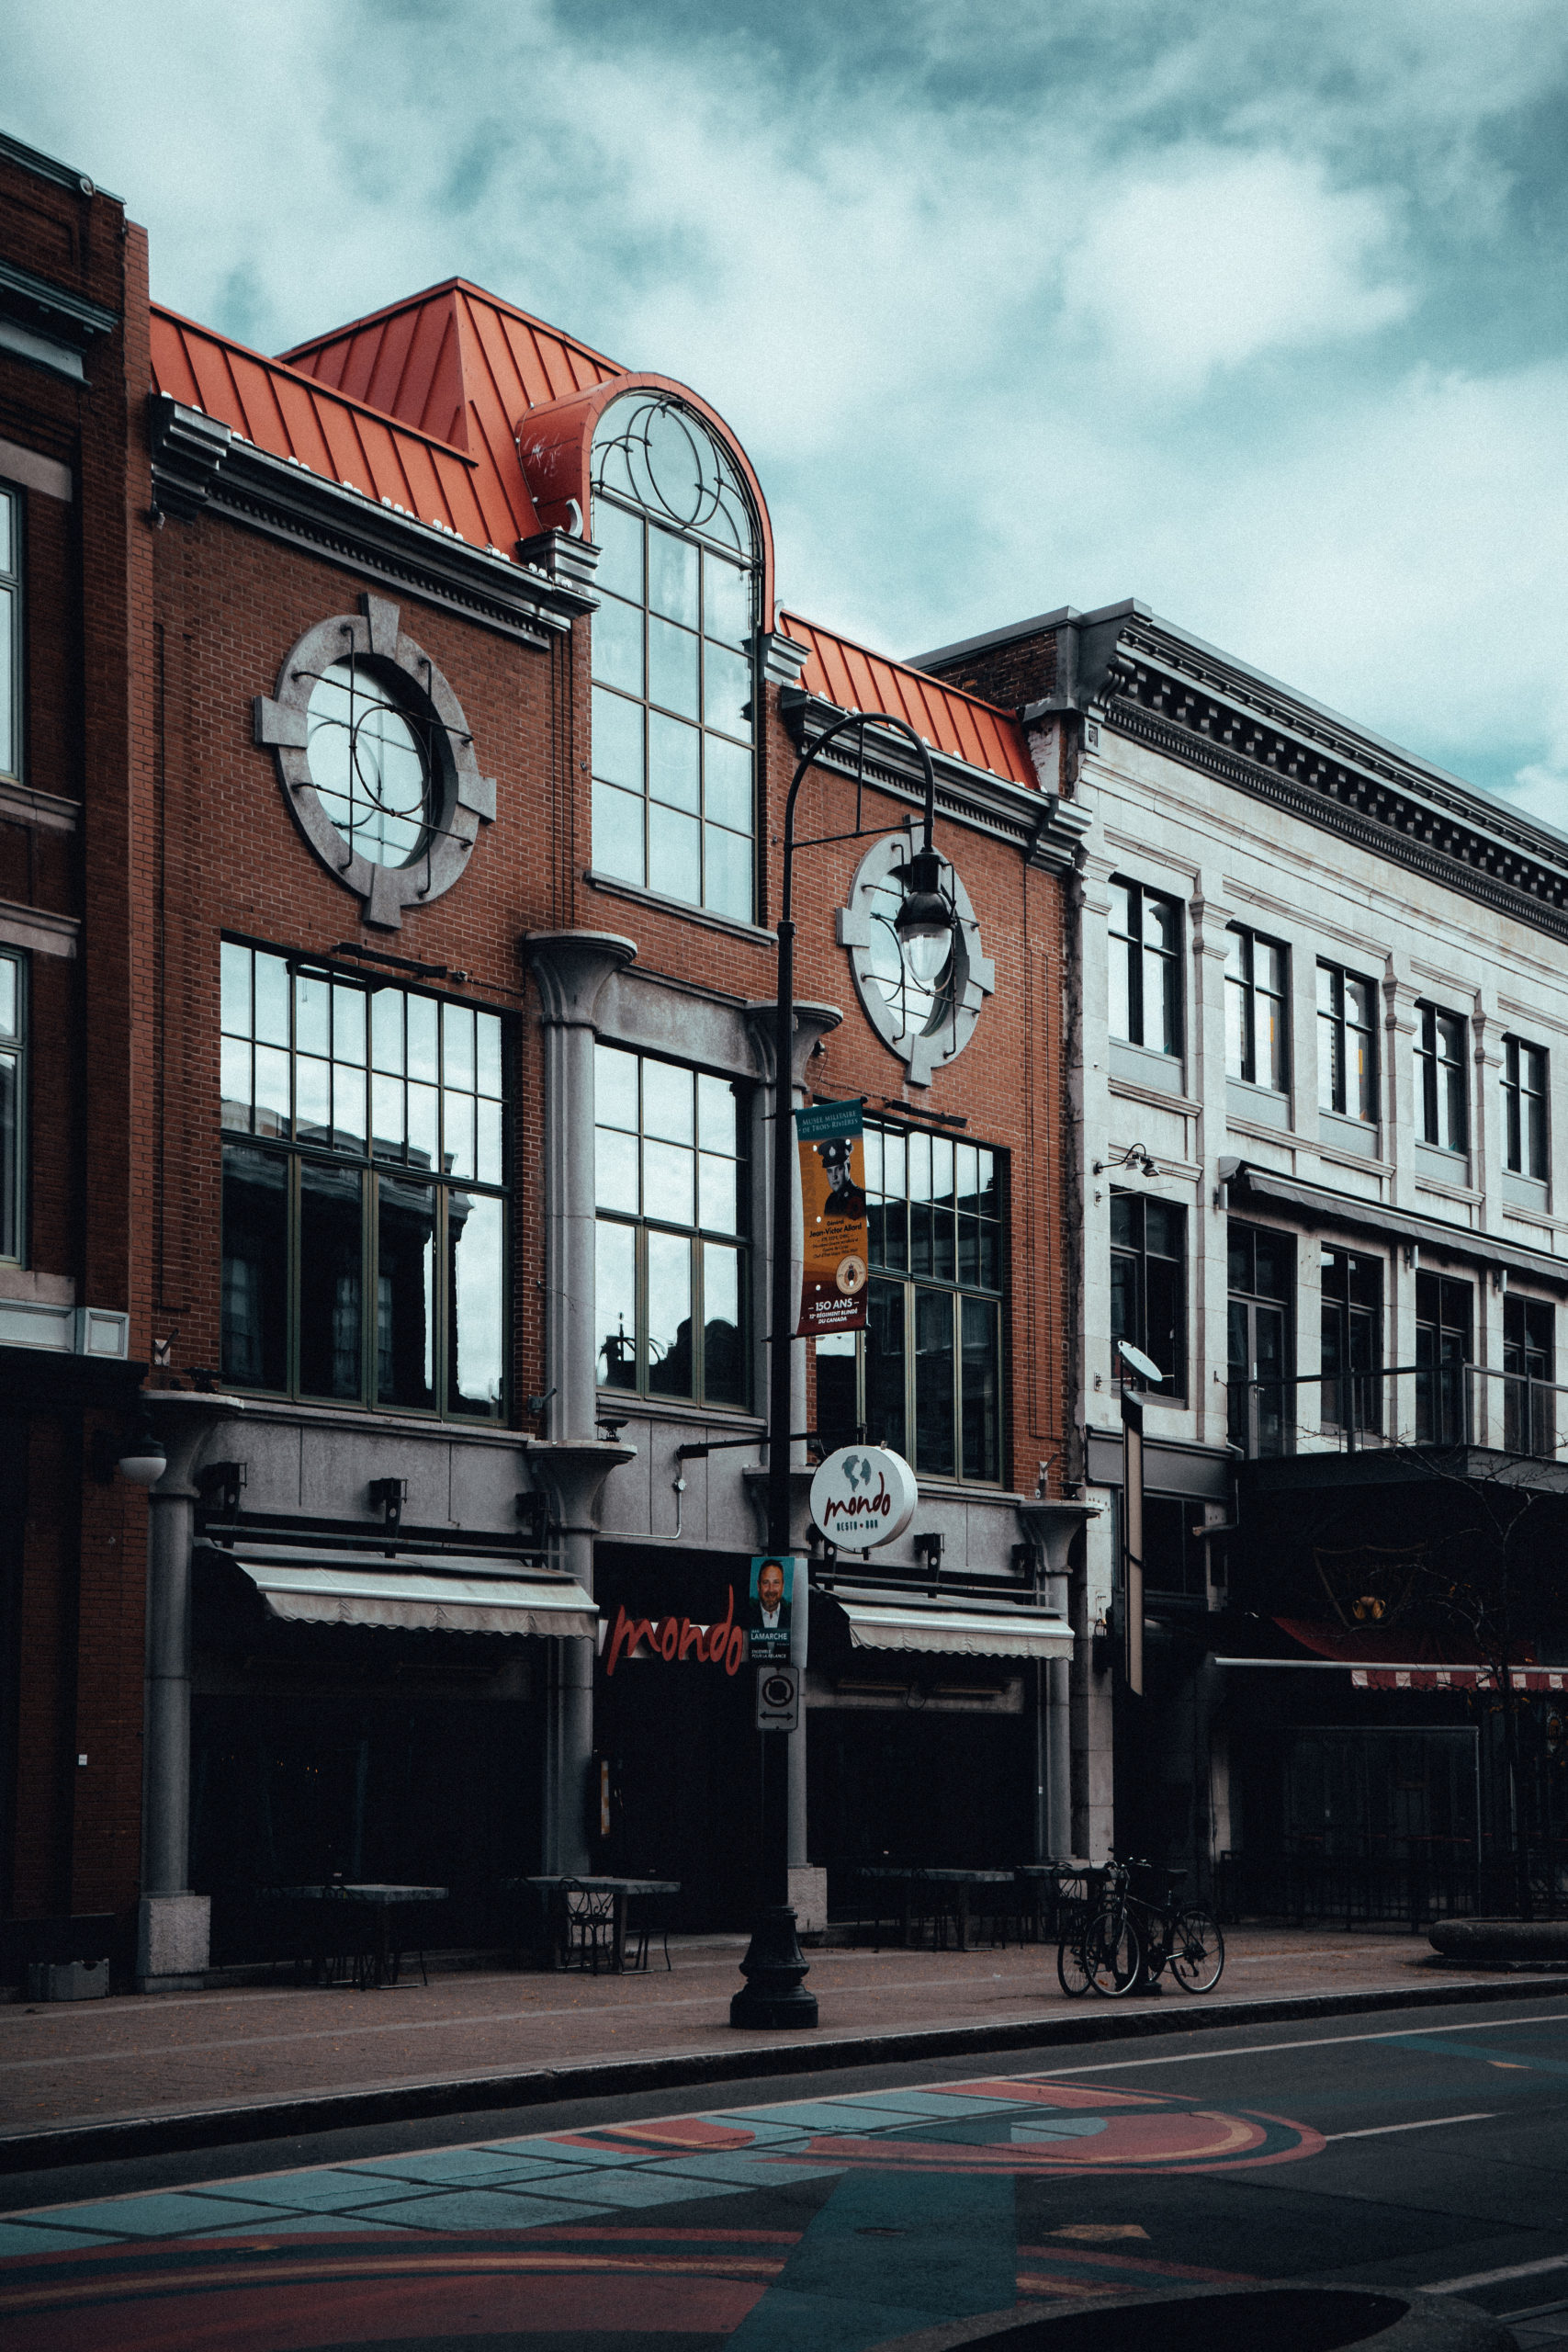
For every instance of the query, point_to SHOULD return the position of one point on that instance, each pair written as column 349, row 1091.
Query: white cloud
column 1216, row 257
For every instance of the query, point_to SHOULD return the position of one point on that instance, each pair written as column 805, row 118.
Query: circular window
column 925, row 1016
column 368, row 765
column 376, row 760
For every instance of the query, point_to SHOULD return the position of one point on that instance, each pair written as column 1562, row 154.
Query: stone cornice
column 1188, row 704
column 199, row 464
column 53, row 308
column 970, row 796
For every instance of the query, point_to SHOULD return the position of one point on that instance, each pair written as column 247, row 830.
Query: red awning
column 1391, row 1658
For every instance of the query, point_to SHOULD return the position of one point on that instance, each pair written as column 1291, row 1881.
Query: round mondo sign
column 863, row 1495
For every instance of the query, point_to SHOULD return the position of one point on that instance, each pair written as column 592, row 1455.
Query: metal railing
column 1413, row 1404
column 1423, row 1880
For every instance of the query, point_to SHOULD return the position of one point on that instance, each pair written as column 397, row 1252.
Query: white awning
column 959, row 1633
column 430, row 1594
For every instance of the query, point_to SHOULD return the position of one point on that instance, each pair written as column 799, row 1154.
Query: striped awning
column 958, row 1633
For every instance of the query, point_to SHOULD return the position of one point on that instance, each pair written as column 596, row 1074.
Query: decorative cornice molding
column 69, row 318
column 782, row 658
column 1195, row 708
column 200, row 464
column 21, row 804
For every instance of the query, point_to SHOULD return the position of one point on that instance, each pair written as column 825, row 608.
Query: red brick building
column 392, row 819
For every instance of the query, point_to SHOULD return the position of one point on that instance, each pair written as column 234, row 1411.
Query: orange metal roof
column 852, row 678
column 289, row 414
column 457, row 362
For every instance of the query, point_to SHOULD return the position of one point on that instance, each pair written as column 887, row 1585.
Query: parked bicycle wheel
column 1197, row 1952
column 1072, row 1966
column 1114, row 1954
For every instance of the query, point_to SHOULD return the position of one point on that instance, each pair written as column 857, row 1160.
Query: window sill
column 1435, row 1163
column 266, row 1405
column 1162, row 1074
column 1250, row 1105
column 626, row 1404
column 752, row 933
column 1350, row 1139
column 1532, row 1192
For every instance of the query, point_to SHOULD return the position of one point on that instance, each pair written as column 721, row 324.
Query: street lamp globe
column 924, row 921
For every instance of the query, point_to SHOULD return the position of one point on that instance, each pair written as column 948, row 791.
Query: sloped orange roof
column 852, row 678
column 289, row 414
column 457, row 362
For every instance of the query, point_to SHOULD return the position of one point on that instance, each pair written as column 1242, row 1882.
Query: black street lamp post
column 773, row 1993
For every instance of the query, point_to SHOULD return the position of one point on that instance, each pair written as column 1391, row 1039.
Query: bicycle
column 1126, row 1943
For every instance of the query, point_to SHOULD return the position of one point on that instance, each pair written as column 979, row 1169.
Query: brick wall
column 1022, row 670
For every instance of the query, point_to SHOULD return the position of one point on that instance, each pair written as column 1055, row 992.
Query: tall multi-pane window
column 1524, row 1108
column 671, row 1261
column 10, row 632
column 1346, row 1043
column 1148, row 1283
column 1261, row 1279
column 926, row 1375
column 364, row 1214
column 674, row 791
column 1529, row 1397
column 1254, row 1010
column 1146, row 968
column 13, row 1103
column 1351, row 1391
column 1445, row 1309
column 1441, row 1076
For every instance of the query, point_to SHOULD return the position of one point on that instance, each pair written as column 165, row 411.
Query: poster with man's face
column 769, row 1607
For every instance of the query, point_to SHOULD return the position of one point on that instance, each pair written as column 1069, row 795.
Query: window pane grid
column 345, row 1275
column 1146, row 977
column 1254, row 1010
column 673, row 788
column 927, row 1373
column 10, row 633
column 1525, row 1108
column 672, row 1267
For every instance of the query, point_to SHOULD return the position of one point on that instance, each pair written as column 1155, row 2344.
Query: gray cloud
column 1256, row 314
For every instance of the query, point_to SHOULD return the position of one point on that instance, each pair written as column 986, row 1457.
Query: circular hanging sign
column 863, row 1496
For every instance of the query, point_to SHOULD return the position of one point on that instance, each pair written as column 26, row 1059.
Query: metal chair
column 588, row 1923
column 646, row 1916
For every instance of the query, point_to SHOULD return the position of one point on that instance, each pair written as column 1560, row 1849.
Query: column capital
column 812, row 1022
column 569, row 969
column 184, row 1420
column 1053, row 1525
column 570, row 1472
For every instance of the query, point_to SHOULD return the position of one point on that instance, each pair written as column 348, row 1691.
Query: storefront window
column 925, row 1376
column 365, row 1215
column 672, row 648
column 671, row 1273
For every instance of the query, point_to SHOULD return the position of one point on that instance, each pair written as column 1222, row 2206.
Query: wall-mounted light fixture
column 144, row 1460
column 1135, row 1157
column 927, row 1551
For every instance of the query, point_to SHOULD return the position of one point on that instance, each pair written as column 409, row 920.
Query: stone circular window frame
column 461, row 799
column 976, row 974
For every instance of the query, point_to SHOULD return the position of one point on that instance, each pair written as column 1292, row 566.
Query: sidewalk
column 67, row 2065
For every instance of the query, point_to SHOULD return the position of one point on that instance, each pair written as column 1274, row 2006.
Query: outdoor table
column 596, row 1883
column 960, row 1882
column 379, row 1965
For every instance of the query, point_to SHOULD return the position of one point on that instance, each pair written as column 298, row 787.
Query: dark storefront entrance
column 676, row 1736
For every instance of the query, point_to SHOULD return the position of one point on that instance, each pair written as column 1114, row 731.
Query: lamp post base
column 773, row 1994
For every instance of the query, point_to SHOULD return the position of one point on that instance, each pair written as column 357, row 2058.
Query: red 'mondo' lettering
column 721, row 1644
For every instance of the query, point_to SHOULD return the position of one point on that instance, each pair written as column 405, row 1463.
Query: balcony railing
column 1441, row 1403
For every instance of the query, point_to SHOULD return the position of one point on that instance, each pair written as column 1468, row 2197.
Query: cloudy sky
column 1255, row 311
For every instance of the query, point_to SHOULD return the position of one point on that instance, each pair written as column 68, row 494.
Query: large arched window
column 674, row 776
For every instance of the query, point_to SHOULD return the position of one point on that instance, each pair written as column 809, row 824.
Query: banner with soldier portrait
column 833, row 1204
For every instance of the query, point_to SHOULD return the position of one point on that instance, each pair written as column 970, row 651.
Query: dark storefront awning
column 884, row 1623
column 1396, row 1661
column 428, row 1593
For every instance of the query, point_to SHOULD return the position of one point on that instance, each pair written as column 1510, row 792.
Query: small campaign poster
column 834, row 1207
column 770, row 1609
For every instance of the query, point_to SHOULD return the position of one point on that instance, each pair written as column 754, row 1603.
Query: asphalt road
column 840, row 2211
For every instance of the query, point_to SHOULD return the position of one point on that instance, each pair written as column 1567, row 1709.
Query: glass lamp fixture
column 924, row 921
column 144, row 1460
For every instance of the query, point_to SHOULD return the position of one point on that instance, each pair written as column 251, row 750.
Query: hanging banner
column 833, row 1210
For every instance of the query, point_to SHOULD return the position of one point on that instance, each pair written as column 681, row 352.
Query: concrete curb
column 744, row 2062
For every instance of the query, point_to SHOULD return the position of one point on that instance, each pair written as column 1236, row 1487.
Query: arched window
column 675, row 772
